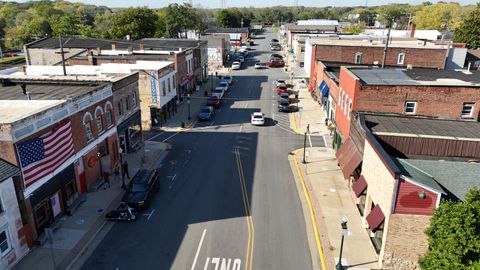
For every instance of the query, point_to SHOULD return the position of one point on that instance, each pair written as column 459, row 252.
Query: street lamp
column 100, row 164
column 188, row 102
column 305, row 143
column 339, row 265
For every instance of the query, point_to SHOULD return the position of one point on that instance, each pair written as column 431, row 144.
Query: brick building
column 237, row 35
column 77, row 109
column 407, row 166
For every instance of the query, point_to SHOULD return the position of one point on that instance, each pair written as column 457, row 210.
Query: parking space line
column 198, row 249
column 153, row 137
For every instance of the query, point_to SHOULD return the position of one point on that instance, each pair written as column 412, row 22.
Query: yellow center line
column 246, row 205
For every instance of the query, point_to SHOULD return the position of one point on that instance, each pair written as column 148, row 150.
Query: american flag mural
column 43, row 155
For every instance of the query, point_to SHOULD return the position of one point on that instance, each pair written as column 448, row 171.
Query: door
column 55, row 204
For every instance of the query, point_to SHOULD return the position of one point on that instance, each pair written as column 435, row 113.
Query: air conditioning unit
column 409, row 66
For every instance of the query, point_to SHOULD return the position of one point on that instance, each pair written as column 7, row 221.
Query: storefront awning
column 323, row 88
column 375, row 218
column 348, row 157
column 359, row 186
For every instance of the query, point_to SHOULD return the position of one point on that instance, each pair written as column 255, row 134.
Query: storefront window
column 71, row 191
column 3, row 242
column 41, row 214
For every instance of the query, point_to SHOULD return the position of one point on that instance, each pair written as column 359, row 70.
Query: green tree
column 178, row 19
column 136, row 22
column 227, row 18
column 391, row 14
column 468, row 31
column 437, row 16
column 354, row 29
column 453, row 235
column 65, row 25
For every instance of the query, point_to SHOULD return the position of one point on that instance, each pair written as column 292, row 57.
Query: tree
column 437, row 16
column 453, row 235
column 354, row 29
column 137, row 22
column 468, row 31
column 178, row 19
column 389, row 15
column 65, row 25
column 227, row 18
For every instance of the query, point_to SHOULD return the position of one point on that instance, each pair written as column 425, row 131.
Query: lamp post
column 305, row 143
column 339, row 265
column 100, row 164
column 188, row 102
column 121, row 168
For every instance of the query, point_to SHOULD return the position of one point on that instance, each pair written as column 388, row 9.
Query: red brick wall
column 438, row 101
column 417, row 57
column 349, row 85
column 409, row 202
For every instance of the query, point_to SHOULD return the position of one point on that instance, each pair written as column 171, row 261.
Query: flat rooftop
column 416, row 77
column 14, row 110
column 376, row 42
column 46, row 91
column 391, row 125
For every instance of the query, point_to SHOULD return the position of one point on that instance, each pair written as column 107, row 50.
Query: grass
column 13, row 59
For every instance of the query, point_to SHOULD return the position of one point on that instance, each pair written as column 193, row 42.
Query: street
column 228, row 198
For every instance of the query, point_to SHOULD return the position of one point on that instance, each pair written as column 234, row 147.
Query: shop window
column 41, row 214
column 88, row 131
column 358, row 58
column 467, row 110
column 410, row 107
column 361, row 203
column 99, row 124
column 4, row 245
column 108, row 117
column 71, row 190
column 377, row 238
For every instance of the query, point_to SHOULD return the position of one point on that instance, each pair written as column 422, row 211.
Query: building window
column 88, row 131
column 467, row 110
column 120, row 107
column 4, row 246
column 168, row 84
column 99, row 123
column 401, row 58
column 164, row 87
column 128, row 102
column 134, row 99
column 410, row 107
column 345, row 104
column 358, row 58
column 349, row 108
column 41, row 214
column 108, row 118
column 302, row 49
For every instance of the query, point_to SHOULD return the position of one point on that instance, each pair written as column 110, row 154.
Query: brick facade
column 346, row 102
column 418, row 57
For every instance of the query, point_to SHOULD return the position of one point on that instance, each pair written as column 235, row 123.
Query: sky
column 256, row 3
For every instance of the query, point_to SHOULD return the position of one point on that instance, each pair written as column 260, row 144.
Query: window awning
column 323, row 87
column 348, row 157
column 375, row 218
column 359, row 186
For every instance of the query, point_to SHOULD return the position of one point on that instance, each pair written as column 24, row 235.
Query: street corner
column 293, row 124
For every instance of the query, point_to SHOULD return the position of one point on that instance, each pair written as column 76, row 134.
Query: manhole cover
column 80, row 221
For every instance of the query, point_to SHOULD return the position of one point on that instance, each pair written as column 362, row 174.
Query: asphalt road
column 227, row 196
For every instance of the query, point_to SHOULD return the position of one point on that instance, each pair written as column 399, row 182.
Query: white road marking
column 171, row 136
column 310, row 140
column 156, row 136
column 246, row 105
column 149, row 215
column 273, row 116
column 324, row 140
column 223, row 263
column 198, row 249
column 171, row 180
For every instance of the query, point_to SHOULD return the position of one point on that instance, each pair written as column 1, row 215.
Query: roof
column 7, row 170
column 226, row 30
column 302, row 28
column 455, row 177
column 14, row 110
column 169, row 43
column 417, row 175
column 473, row 55
column 416, row 77
column 77, row 42
column 47, row 90
column 364, row 41
column 394, row 125
column 317, row 22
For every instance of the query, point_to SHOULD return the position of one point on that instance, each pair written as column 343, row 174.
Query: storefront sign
column 154, row 87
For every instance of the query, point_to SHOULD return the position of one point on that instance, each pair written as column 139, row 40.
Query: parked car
column 141, row 189
column 276, row 63
column 275, row 47
column 205, row 114
column 236, row 65
column 276, row 56
column 218, row 92
column 228, row 79
column 223, row 84
column 260, row 65
column 257, row 119
column 274, row 40
column 278, row 82
column 214, row 101
column 282, row 89
column 286, row 107
column 284, row 96
column 240, row 58
column 244, row 54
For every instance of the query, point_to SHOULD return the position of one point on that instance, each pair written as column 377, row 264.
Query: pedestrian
column 326, row 122
column 106, row 179
column 125, row 170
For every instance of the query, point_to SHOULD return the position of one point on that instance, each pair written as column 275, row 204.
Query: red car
column 276, row 63
column 282, row 89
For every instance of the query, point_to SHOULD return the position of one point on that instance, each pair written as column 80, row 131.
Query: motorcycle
column 124, row 213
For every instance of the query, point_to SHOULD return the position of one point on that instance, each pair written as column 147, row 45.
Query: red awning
column 348, row 157
column 359, row 186
column 375, row 218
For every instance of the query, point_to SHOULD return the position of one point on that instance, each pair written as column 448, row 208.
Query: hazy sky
column 256, row 3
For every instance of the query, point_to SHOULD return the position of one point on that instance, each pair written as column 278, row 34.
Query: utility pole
column 386, row 45
column 62, row 52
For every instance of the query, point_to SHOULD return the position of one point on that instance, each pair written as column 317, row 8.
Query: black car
column 141, row 189
column 284, row 106
column 274, row 40
column 214, row 102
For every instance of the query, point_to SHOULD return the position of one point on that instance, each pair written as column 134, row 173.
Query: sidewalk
column 77, row 230
column 330, row 197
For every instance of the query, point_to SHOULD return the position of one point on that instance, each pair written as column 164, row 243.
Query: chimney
column 142, row 48
column 114, row 46
column 411, row 32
